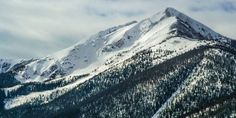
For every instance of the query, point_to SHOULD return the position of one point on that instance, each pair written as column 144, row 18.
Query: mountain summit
column 106, row 44
column 167, row 65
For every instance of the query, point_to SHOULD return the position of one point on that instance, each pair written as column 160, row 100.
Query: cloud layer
column 30, row 28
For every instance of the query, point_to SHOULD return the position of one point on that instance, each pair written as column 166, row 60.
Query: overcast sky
column 35, row 28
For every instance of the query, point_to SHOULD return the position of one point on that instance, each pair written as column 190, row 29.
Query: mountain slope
column 99, row 48
column 168, row 65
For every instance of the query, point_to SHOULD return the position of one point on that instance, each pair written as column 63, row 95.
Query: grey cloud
column 229, row 6
column 226, row 6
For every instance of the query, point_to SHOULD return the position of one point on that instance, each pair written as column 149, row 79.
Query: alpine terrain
column 167, row 65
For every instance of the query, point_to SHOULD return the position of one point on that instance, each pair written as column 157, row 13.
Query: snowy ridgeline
column 132, row 37
column 112, row 56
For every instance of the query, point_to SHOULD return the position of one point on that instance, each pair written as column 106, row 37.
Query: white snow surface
column 113, row 45
column 37, row 98
column 84, row 57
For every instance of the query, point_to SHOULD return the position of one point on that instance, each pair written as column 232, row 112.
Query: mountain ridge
column 152, row 63
column 68, row 60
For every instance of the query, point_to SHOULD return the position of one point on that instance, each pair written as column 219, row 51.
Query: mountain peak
column 169, row 24
column 122, row 68
column 171, row 11
column 166, row 13
column 187, row 27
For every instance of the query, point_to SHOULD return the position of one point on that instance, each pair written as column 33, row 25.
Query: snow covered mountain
column 167, row 65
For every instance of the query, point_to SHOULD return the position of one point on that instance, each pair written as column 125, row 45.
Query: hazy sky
column 34, row 28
